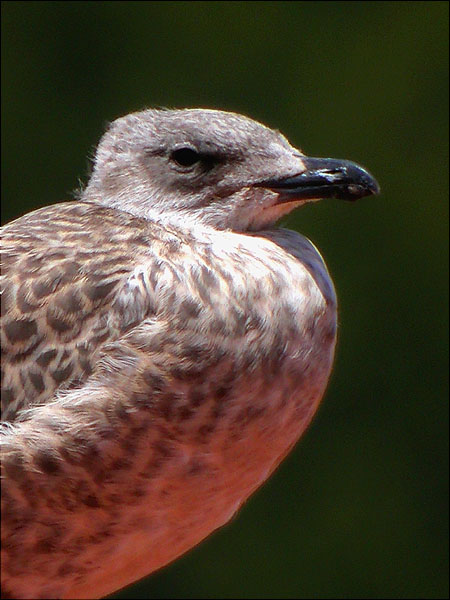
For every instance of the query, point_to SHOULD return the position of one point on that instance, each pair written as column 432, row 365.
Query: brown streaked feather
column 62, row 267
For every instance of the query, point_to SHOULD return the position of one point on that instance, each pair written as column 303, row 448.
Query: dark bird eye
column 185, row 157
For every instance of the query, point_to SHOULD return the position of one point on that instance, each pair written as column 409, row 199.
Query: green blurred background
column 360, row 507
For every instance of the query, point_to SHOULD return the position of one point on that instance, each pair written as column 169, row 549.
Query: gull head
column 215, row 168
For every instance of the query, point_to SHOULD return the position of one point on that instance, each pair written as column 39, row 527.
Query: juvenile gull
column 164, row 346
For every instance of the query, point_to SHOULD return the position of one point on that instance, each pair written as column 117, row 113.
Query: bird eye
column 185, row 157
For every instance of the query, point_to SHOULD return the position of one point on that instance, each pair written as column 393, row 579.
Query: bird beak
column 324, row 178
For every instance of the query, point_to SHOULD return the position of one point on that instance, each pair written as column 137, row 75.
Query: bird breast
column 235, row 349
column 239, row 362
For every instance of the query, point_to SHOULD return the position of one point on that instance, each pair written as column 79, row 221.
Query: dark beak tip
column 375, row 189
column 368, row 187
column 361, row 183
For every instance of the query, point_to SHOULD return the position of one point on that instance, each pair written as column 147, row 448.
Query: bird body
column 158, row 363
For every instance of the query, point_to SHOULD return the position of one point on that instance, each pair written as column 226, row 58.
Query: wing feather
column 62, row 269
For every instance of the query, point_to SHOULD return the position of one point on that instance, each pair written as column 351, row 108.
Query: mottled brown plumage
column 164, row 347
